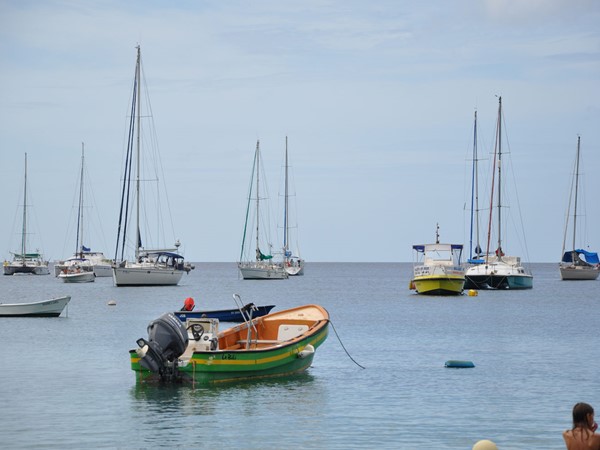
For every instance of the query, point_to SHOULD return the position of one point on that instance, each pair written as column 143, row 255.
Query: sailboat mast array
column 498, row 271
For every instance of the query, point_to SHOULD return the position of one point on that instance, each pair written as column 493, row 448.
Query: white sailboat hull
column 295, row 268
column 146, row 276
column 572, row 272
column 98, row 261
column 498, row 275
column 295, row 271
column 261, row 271
column 46, row 308
column 103, row 270
column 77, row 277
column 28, row 268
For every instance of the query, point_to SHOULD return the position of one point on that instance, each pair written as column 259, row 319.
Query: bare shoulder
column 594, row 442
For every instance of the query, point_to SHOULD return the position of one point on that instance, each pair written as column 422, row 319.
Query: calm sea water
column 66, row 382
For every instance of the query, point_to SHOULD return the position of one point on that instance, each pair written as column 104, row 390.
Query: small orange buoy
column 472, row 293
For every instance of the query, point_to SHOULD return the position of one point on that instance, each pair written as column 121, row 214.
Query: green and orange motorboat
column 277, row 344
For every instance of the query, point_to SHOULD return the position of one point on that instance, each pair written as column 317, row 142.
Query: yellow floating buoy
column 472, row 293
column 111, row 303
column 485, row 445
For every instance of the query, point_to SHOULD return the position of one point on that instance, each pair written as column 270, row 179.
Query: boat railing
column 247, row 316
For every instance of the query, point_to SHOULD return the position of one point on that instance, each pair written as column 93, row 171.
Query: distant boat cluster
column 139, row 265
column 146, row 266
column 254, row 264
column 439, row 270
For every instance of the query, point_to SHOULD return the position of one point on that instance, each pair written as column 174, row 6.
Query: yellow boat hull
column 439, row 284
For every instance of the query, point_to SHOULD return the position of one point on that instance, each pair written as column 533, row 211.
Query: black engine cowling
column 167, row 340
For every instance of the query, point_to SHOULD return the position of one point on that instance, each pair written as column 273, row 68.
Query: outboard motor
column 167, row 340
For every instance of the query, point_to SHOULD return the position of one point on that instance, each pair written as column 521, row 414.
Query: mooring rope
column 341, row 343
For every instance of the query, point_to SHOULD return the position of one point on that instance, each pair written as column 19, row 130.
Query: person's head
column 583, row 415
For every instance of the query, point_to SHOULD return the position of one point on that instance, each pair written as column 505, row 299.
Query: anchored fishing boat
column 45, row 308
column 226, row 315
column 277, row 344
column 437, row 270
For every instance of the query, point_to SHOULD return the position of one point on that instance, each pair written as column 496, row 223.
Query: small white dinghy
column 45, row 308
column 76, row 275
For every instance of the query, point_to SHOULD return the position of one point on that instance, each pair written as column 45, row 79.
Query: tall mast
column 137, row 180
column 475, row 195
column 499, row 176
column 257, row 198
column 576, row 191
column 285, row 205
column 24, row 230
column 79, row 241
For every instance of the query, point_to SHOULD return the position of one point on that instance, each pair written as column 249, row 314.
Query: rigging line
column 158, row 165
column 124, row 210
column 248, row 206
column 338, row 336
column 487, row 252
column 521, row 234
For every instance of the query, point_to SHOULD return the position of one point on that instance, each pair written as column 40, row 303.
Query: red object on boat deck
column 188, row 304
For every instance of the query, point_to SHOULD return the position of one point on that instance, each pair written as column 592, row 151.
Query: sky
column 376, row 98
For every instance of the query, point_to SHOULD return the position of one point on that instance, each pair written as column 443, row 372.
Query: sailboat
column 151, row 267
column 577, row 264
column 78, row 269
column 438, row 270
column 253, row 263
column 293, row 264
column 25, row 262
column 499, row 271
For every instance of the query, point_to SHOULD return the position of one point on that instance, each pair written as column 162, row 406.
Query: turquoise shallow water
column 66, row 382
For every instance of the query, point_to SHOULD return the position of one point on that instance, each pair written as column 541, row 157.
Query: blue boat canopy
column 171, row 254
column 589, row 257
column 475, row 261
column 421, row 248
